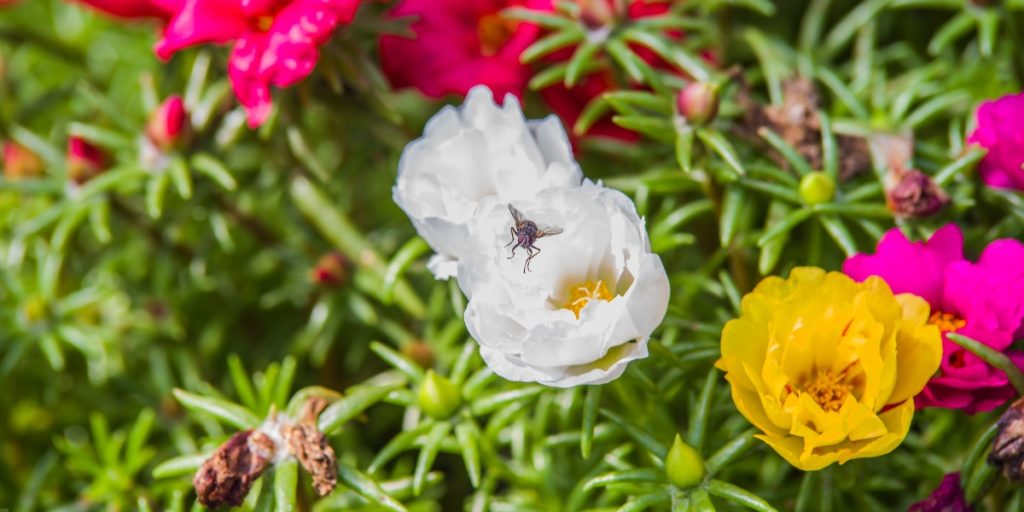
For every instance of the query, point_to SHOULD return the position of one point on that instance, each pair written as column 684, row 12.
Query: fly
column 525, row 233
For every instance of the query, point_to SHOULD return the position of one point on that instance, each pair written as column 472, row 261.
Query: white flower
column 477, row 155
column 590, row 301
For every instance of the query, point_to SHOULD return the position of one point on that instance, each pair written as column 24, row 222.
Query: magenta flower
column 161, row 9
column 459, row 44
column 1001, row 131
column 947, row 497
column 276, row 42
column 983, row 301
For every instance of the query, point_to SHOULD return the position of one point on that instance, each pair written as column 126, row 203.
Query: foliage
column 132, row 307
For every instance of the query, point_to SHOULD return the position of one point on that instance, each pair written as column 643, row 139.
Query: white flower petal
column 520, row 319
column 475, row 156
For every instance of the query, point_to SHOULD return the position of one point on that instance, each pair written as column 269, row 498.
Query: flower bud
column 684, row 466
column 332, row 269
column 420, row 353
column 1008, row 447
column 597, row 13
column 438, row 397
column 915, row 195
column 20, row 162
column 168, row 124
column 698, row 102
column 817, row 187
column 84, row 160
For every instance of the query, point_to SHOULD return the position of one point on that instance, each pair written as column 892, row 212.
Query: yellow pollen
column 828, row 389
column 263, row 23
column 580, row 295
column 946, row 322
column 493, row 30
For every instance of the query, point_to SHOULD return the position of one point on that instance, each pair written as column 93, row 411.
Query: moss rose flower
column 1001, row 131
column 826, row 367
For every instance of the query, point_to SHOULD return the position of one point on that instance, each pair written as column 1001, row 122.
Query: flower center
column 582, row 294
column 493, row 30
column 946, row 322
column 828, row 389
column 263, row 23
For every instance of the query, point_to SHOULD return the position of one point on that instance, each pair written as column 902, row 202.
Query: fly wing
column 517, row 216
column 548, row 231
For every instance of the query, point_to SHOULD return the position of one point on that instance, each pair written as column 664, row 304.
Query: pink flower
column 1001, row 131
column 459, row 44
column 947, row 497
column 161, row 9
column 168, row 124
column 276, row 42
column 84, row 161
column 983, row 301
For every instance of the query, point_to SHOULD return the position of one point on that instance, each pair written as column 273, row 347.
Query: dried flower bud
column 84, row 160
column 168, row 124
column 1008, row 447
column 438, row 397
column 683, row 465
column 332, row 269
column 226, row 477
column 817, row 187
column 947, row 497
column 420, row 353
column 311, row 447
column 20, row 162
column 915, row 195
column 698, row 102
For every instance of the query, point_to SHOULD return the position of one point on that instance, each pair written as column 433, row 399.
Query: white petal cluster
column 595, row 292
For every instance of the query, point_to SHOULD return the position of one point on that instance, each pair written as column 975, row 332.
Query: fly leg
column 515, row 234
column 532, row 256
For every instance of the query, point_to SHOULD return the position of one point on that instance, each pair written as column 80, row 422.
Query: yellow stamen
column 263, row 23
column 580, row 295
column 494, row 30
column 828, row 389
column 946, row 322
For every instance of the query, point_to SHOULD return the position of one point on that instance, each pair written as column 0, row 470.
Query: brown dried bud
column 915, row 195
column 1008, row 447
column 226, row 477
column 311, row 447
column 332, row 269
column 420, row 353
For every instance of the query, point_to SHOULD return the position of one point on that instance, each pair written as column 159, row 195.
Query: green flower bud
column 816, row 188
column 438, row 397
column 684, row 466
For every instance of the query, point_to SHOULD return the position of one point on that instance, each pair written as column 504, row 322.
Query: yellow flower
column 828, row 367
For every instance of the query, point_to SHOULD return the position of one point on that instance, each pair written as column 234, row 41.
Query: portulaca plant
column 471, row 158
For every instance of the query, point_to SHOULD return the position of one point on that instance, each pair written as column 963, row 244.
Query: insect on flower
column 525, row 233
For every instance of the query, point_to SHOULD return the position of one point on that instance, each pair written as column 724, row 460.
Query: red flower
column 459, row 44
column 20, row 162
column 162, row 9
column 276, row 42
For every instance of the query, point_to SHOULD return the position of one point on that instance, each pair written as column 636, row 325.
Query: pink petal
column 202, row 21
column 910, row 267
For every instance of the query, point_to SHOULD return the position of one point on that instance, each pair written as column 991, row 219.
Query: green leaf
column 738, row 496
column 582, row 60
column 734, row 202
column 798, row 162
column 701, row 414
column 645, row 475
column 398, row 444
column 784, row 226
column 551, row 43
column 286, row 481
column 357, row 400
column 591, row 406
column 490, row 403
column 240, row 379
column 398, row 361
column 719, row 144
column 428, row 453
column 655, row 127
column 213, row 169
column 222, row 410
column 838, row 231
column 648, row 500
column 730, row 452
column 641, row 436
column 402, row 260
column 468, row 435
column 178, row 466
column 957, row 27
column 367, row 488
